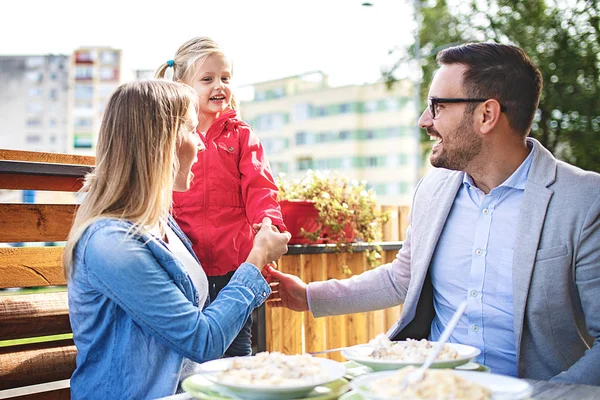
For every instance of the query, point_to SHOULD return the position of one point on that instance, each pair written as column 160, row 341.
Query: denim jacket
column 135, row 316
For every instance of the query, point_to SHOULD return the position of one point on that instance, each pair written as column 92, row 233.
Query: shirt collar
column 518, row 179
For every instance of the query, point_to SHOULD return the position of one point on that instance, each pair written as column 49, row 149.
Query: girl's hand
column 269, row 244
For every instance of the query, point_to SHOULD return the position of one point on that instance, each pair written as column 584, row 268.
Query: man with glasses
column 499, row 222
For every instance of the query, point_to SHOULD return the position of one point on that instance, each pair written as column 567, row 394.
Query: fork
column 418, row 374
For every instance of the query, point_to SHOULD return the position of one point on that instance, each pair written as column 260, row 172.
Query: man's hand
column 288, row 291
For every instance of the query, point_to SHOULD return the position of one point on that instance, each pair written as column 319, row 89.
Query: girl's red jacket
column 233, row 188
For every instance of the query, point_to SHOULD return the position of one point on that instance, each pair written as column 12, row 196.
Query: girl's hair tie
column 170, row 63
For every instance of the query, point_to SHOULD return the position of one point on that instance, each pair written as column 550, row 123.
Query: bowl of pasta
column 273, row 375
column 440, row 384
column 382, row 354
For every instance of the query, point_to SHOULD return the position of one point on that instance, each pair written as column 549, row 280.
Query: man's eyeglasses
column 434, row 101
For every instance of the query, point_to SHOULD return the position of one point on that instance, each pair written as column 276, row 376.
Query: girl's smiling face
column 212, row 84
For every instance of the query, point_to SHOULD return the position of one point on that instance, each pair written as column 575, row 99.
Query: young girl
column 129, row 266
column 233, row 186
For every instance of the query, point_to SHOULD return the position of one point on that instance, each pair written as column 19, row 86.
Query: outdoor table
column 542, row 390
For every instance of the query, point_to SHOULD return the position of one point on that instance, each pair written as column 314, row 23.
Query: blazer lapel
column 529, row 229
column 423, row 244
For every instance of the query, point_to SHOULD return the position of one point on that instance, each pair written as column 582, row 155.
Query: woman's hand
column 269, row 244
column 287, row 291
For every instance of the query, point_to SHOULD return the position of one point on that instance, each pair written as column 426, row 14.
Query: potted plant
column 325, row 207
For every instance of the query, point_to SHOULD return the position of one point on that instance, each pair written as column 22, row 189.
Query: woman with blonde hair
column 137, row 302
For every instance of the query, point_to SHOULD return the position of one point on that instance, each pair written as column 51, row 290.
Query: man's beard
column 465, row 146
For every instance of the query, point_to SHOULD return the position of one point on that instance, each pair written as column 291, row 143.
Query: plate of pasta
column 382, row 354
column 440, row 384
column 273, row 375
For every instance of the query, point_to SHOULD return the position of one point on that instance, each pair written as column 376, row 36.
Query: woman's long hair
column 135, row 158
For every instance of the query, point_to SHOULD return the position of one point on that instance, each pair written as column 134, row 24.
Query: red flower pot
column 298, row 214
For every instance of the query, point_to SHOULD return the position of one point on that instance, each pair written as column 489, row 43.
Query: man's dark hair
column 501, row 72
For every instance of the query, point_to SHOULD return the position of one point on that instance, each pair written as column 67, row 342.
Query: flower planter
column 298, row 214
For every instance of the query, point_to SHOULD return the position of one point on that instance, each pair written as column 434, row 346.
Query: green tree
column 563, row 39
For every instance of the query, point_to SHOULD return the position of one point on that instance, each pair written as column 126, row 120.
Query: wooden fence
column 293, row 332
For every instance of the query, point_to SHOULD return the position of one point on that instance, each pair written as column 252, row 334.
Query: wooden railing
column 33, row 315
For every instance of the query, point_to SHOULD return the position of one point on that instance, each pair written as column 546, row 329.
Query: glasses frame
column 432, row 102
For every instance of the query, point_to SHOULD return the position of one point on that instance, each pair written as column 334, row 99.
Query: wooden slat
column 292, row 320
column 33, row 315
column 336, row 326
column 357, row 331
column 31, row 267
column 391, row 229
column 314, row 328
column 35, row 182
column 37, row 363
column 41, row 157
column 403, row 221
column 35, row 222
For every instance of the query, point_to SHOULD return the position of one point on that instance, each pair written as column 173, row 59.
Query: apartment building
column 95, row 74
column 366, row 132
column 34, row 102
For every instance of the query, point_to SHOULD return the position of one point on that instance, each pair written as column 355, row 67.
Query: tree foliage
column 561, row 36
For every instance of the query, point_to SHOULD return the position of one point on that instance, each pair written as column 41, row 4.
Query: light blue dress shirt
column 473, row 259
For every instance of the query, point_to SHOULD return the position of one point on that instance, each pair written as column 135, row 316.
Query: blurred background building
column 363, row 131
column 94, row 75
column 34, row 98
column 55, row 103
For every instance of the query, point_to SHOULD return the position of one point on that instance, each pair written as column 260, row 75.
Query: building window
column 85, row 57
column 33, row 139
column 84, row 73
column 84, row 92
column 301, row 138
column 305, row 163
column 344, row 135
column 34, row 62
column 370, row 106
column 34, row 92
column 53, row 94
column 35, row 108
column 109, row 74
column 109, row 57
column 302, row 112
column 34, row 122
column 392, row 104
column 83, row 123
column 83, row 141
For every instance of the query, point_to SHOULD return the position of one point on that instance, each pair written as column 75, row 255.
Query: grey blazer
column 556, row 271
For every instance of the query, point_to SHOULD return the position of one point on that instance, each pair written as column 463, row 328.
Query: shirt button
column 475, row 328
column 485, row 211
column 478, row 252
column 264, row 294
column 474, row 293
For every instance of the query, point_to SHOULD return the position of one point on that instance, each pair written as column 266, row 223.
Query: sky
column 266, row 39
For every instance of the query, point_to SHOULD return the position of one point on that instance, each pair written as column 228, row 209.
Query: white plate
column 502, row 387
column 335, row 370
column 360, row 354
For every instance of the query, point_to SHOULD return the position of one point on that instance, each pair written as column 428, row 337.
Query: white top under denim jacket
column 135, row 316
